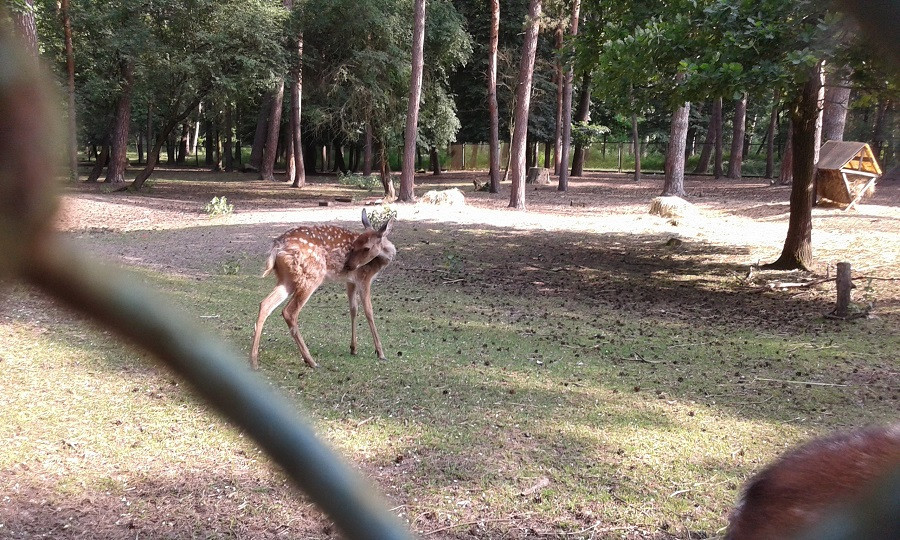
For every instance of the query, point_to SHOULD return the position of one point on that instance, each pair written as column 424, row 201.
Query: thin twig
column 465, row 524
column 798, row 382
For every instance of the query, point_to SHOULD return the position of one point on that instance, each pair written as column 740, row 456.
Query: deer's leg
column 290, row 313
column 353, row 298
column 266, row 307
column 365, row 292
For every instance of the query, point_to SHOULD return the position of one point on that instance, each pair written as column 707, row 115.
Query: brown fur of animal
column 811, row 482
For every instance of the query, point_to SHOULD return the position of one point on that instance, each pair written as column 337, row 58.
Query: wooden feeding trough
column 846, row 172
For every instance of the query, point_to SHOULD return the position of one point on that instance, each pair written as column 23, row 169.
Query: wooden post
column 844, row 284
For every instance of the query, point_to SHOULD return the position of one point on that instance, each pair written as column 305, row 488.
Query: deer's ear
column 386, row 228
column 365, row 219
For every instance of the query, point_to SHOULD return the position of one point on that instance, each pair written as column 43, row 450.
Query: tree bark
column 368, row 154
column 181, row 156
column 879, row 128
column 296, row 109
column 408, row 170
column 492, row 98
column 770, row 137
column 228, row 155
column 385, row 168
column 834, row 115
column 259, row 137
column 101, row 162
column 270, row 151
column 560, row 90
column 523, row 104
column 434, row 161
column 717, row 120
column 582, row 115
column 118, row 153
column 736, row 159
column 25, row 26
column 636, row 145
column 797, row 251
column 706, row 151
column 567, row 105
column 674, row 182
column 786, row 173
column 70, row 92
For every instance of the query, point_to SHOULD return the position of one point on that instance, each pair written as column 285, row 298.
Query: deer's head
column 371, row 244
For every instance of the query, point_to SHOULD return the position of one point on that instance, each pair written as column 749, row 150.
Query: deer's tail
column 270, row 261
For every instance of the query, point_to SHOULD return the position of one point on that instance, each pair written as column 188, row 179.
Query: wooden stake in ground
column 844, row 285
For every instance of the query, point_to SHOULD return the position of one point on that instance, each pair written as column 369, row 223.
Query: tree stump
column 539, row 176
column 844, row 284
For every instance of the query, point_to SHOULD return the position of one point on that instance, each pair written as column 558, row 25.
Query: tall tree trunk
column 820, row 109
column 23, row 18
column 435, row 161
column 195, row 139
column 270, row 151
column 797, row 252
column 567, row 105
column 717, row 120
column 736, row 158
column 837, row 101
column 259, row 136
column 770, row 136
column 368, row 157
column 290, row 168
column 385, row 167
column 228, row 156
column 786, row 172
column 560, row 90
column 492, row 98
column 296, row 76
column 582, row 115
column 208, row 144
column 674, row 182
column 691, row 144
column 118, row 153
column 884, row 105
column 102, row 161
column 70, row 92
column 340, row 164
column 523, row 105
column 408, row 170
column 216, row 147
column 706, row 151
column 181, row 155
column 636, row 145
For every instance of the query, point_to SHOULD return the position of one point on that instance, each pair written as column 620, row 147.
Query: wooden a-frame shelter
column 846, row 172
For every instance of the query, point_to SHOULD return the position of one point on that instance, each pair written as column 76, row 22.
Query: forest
column 614, row 282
